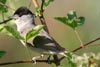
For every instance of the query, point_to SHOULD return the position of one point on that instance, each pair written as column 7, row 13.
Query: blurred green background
column 63, row 34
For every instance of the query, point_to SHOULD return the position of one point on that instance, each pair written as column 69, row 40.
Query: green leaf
column 3, row 8
column 66, row 21
column 2, row 53
column 71, row 15
column 37, row 11
column 72, row 20
column 46, row 3
column 81, row 21
column 13, row 32
column 71, row 23
column 34, row 32
column 61, row 19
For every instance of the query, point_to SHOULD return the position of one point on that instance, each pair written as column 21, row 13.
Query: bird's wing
column 45, row 43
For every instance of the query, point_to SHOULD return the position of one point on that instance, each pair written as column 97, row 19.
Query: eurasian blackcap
column 43, row 43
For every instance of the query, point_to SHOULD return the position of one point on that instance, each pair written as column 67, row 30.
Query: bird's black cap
column 22, row 11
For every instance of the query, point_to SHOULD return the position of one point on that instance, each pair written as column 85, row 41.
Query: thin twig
column 95, row 45
column 25, row 61
column 5, row 21
column 35, row 3
column 7, row 6
column 86, row 44
column 42, row 10
column 42, row 19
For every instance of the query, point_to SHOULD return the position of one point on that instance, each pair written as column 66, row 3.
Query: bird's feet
column 37, row 57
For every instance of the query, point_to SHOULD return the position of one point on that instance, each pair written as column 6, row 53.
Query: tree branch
column 42, row 10
column 35, row 3
column 88, row 43
column 5, row 21
column 42, row 19
column 25, row 61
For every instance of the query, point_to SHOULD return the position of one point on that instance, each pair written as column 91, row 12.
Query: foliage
column 39, row 10
column 46, row 3
column 35, row 31
column 71, row 20
column 30, row 34
column 13, row 32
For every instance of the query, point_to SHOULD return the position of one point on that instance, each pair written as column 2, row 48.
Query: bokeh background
column 63, row 34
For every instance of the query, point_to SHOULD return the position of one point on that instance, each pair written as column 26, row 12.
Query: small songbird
column 43, row 42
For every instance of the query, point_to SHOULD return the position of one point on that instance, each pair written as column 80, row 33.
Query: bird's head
column 21, row 11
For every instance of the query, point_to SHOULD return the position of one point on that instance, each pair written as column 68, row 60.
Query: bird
column 43, row 42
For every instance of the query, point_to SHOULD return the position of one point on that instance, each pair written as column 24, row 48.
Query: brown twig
column 42, row 10
column 25, row 61
column 86, row 44
column 7, row 6
column 42, row 19
column 46, row 61
column 5, row 21
column 35, row 3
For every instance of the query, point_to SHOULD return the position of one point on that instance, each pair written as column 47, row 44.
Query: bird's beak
column 14, row 17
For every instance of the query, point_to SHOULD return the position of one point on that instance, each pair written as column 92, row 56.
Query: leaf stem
column 78, row 37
